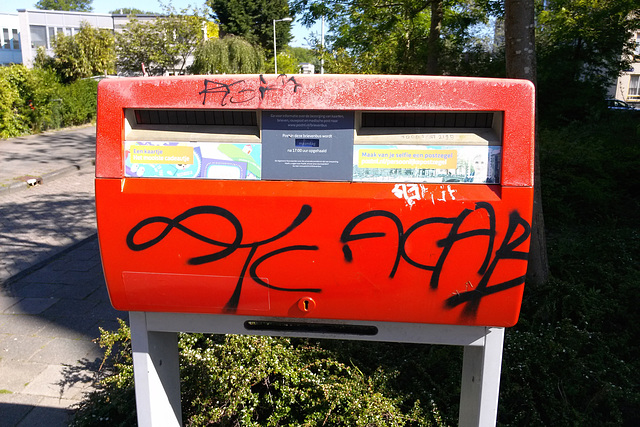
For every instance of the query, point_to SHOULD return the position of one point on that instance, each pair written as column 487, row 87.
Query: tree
column 521, row 63
column 581, row 50
column 89, row 52
column 396, row 37
column 161, row 45
column 433, row 40
column 180, row 35
column 135, row 46
column 130, row 11
column 231, row 55
column 70, row 5
column 301, row 55
column 253, row 20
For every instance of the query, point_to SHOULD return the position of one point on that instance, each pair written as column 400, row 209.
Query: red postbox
column 376, row 198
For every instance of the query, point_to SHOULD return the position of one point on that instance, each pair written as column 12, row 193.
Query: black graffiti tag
column 486, row 270
column 227, row 248
column 238, row 92
column 281, row 83
column 506, row 251
column 446, row 243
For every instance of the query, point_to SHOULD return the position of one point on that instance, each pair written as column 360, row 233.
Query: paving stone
column 2, row 338
column 22, row 347
column 15, row 408
column 71, row 328
column 43, row 275
column 100, row 293
column 54, row 290
column 21, row 324
column 80, row 278
column 49, row 220
column 58, row 382
column 31, row 306
column 104, row 310
column 13, row 374
column 46, row 415
column 62, row 350
column 70, row 307
column 7, row 302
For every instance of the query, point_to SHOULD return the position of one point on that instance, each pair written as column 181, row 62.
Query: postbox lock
column 306, row 304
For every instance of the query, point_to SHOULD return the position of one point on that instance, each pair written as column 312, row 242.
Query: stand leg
column 156, row 373
column 481, row 368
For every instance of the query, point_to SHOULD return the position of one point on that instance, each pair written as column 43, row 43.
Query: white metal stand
column 154, row 341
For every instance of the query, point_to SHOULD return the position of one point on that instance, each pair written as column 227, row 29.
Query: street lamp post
column 322, row 57
column 275, row 55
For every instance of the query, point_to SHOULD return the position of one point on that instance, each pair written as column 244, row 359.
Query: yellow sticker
column 164, row 154
column 407, row 159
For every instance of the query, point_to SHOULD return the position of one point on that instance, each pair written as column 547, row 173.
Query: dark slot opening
column 430, row 119
column 316, row 328
column 196, row 117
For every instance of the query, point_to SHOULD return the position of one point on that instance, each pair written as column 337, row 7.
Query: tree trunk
column 433, row 42
column 521, row 64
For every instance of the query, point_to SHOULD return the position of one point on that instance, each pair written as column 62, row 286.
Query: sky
column 105, row 6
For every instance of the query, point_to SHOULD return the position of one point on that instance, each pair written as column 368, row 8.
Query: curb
column 49, row 176
column 40, row 264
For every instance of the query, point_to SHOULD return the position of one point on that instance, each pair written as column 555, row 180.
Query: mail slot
column 375, row 198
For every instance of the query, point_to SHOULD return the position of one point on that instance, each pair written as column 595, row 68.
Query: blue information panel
column 307, row 145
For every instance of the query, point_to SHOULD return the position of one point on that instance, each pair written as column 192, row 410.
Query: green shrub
column 27, row 97
column 13, row 117
column 589, row 171
column 255, row 381
column 78, row 102
column 12, row 122
column 572, row 358
column 45, row 113
column 33, row 100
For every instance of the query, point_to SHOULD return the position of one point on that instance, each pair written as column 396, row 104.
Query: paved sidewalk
column 38, row 222
column 47, row 323
column 45, row 156
column 52, row 293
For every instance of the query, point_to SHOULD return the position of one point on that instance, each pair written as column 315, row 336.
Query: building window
column 52, row 36
column 5, row 36
column 634, row 87
column 16, row 39
column 38, row 36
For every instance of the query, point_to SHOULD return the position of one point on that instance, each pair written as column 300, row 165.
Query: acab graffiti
column 458, row 230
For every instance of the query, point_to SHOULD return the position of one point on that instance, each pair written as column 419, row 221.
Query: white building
column 39, row 28
column 628, row 84
column 10, row 52
column 23, row 33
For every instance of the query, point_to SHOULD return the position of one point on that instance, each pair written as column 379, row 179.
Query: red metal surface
column 356, row 249
column 318, row 249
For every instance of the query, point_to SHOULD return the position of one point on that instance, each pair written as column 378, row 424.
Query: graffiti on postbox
column 451, row 231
